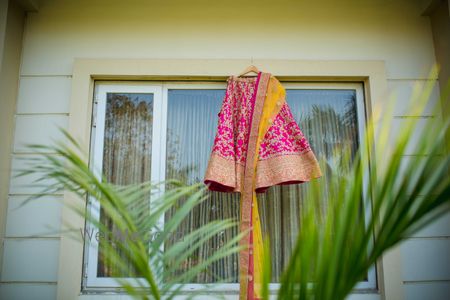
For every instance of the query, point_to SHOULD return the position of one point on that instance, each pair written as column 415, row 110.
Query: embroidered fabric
column 284, row 155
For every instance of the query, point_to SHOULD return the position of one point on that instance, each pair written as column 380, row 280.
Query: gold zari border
column 226, row 175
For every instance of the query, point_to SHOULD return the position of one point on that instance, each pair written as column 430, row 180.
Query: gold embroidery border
column 227, row 173
column 223, row 172
column 284, row 168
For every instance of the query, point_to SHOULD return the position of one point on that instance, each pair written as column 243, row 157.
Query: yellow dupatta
column 273, row 101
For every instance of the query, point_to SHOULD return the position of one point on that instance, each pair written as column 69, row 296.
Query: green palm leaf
column 152, row 270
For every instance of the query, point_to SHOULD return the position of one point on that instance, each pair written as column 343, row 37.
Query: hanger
column 249, row 69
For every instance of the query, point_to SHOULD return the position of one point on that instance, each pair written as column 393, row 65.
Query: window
column 172, row 126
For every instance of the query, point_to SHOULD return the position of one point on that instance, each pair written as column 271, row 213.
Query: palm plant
column 336, row 248
column 135, row 244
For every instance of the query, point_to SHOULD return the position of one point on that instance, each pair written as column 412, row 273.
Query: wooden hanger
column 249, row 69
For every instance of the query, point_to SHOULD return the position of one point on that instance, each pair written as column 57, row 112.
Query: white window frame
column 96, row 163
column 160, row 90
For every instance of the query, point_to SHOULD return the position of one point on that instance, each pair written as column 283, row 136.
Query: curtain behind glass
column 126, row 153
column 191, row 125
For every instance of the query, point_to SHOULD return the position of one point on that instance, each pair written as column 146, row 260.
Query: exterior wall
column 3, row 14
column 425, row 258
column 440, row 24
column 11, row 29
column 391, row 31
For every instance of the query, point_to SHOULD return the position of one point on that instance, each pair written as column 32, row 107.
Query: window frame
column 96, row 164
column 160, row 106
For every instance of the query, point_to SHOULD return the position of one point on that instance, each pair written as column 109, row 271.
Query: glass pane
column 191, row 125
column 126, row 153
column 328, row 119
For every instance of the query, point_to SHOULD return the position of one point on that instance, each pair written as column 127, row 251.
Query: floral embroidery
column 283, row 137
column 234, row 120
column 284, row 156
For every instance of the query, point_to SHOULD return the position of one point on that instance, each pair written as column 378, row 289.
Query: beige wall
column 63, row 30
column 286, row 29
column 3, row 14
column 440, row 24
column 11, row 28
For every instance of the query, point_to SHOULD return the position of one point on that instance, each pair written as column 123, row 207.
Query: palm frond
column 136, row 245
column 404, row 193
